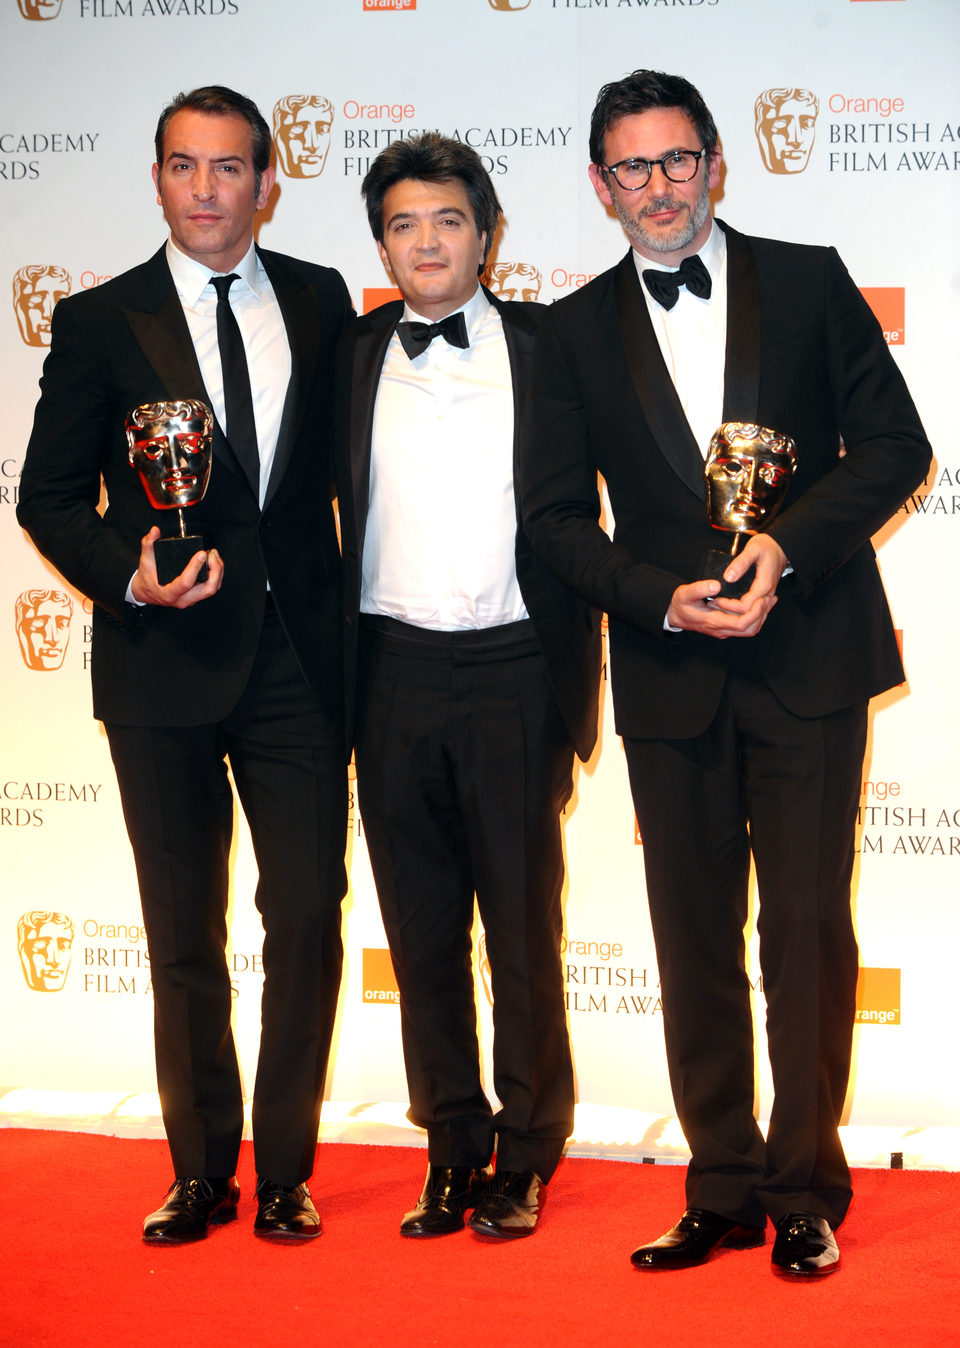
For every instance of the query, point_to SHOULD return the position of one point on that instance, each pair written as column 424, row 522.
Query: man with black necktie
column 743, row 721
column 476, row 676
column 244, row 665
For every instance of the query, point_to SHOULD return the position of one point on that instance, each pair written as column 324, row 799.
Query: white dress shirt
column 265, row 343
column 693, row 339
column 255, row 306
column 439, row 549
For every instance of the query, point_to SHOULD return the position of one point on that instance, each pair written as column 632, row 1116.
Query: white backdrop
column 83, row 84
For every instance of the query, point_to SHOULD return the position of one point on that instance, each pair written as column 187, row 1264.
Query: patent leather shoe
column 192, row 1204
column 285, row 1212
column 805, row 1247
column 693, row 1240
column 511, row 1206
column 447, row 1193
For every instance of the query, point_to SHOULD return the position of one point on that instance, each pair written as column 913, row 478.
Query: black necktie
column 416, row 337
column 664, row 286
column 238, row 400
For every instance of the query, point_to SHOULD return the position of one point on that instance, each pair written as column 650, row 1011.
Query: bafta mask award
column 170, row 447
column 748, row 471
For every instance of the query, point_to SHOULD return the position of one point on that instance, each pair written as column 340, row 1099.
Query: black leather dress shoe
column 805, row 1247
column 693, row 1240
column 192, row 1204
column 447, row 1193
column 511, row 1206
column 285, row 1212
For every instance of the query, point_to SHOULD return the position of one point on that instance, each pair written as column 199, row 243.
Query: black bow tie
column 416, row 337
column 664, row 286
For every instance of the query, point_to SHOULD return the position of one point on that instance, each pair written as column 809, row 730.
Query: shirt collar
column 711, row 254
column 474, row 312
column 191, row 278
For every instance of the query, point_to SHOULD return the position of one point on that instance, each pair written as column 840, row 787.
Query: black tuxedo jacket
column 568, row 629
column 126, row 343
column 805, row 356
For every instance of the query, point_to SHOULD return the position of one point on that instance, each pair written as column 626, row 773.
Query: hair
column 32, row 922
column 219, row 101
column 26, row 277
column 29, row 600
column 292, row 104
column 523, row 271
column 771, row 100
column 641, row 91
column 191, row 409
column 432, row 158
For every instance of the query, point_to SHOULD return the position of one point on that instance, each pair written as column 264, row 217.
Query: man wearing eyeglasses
column 743, row 720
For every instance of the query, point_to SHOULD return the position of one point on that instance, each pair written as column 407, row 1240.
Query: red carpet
column 74, row 1271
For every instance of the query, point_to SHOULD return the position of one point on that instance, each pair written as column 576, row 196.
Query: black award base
column 173, row 554
column 712, row 568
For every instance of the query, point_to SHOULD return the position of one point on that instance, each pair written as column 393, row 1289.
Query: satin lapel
column 165, row 340
column 741, row 385
column 518, row 332
column 161, row 331
column 652, row 383
column 370, row 348
column 298, row 305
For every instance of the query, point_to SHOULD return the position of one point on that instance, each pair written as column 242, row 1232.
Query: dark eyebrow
column 655, row 159
column 441, row 210
column 221, row 159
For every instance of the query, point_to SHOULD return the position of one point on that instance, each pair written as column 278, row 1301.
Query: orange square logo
column 373, row 297
column 878, row 997
column 888, row 304
column 379, row 980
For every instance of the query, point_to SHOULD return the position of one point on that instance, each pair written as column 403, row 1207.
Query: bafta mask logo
column 45, row 943
column 301, row 131
column 505, row 6
column 36, row 289
column 43, row 627
column 39, row 9
column 785, row 128
column 169, row 444
column 747, row 474
column 515, row 280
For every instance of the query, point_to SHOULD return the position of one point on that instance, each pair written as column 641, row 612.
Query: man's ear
column 713, row 167
column 267, row 179
column 600, row 179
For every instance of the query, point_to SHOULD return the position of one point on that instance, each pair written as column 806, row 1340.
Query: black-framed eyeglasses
column 679, row 166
